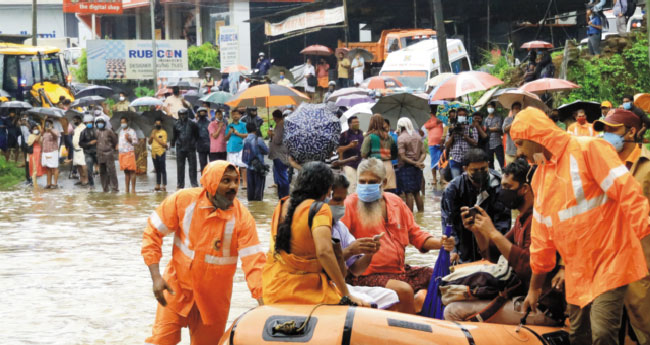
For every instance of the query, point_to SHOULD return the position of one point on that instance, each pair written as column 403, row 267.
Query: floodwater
column 71, row 270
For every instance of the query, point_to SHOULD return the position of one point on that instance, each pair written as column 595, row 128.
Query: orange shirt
column 400, row 230
column 434, row 131
column 586, row 130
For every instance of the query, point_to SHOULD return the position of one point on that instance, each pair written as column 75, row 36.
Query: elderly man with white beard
column 370, row 212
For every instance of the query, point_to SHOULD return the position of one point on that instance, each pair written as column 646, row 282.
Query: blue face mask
column 614, row 139
column 627, row 105
column 369, row 192
column 89, row 125
column 100, row 125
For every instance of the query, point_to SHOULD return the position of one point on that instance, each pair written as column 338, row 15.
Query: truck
column 414, row 65
column 390, row 41
column 33, row 74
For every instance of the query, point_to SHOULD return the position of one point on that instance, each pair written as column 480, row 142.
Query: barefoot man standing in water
column 211, row 230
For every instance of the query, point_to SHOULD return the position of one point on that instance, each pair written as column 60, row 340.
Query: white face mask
column 490, row 110
column 122, row 98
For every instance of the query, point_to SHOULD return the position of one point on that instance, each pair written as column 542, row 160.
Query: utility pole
column 647, row 24
column 345, row 18
column 443, row 56
column 152, row 5
column 34, row 26
column 488, row 25
column 415, row 14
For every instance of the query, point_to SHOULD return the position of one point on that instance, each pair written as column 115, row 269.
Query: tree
column 205, row 55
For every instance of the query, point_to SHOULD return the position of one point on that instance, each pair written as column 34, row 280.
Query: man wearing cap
column 251, row 116
column 330, row 90
column 605, row 107
column 99, row 113
column 621, row 129
column 581, row 128
column 263, row 64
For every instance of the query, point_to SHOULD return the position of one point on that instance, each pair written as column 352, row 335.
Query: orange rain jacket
column 588, row 207
column 586, row 130
column 207, row 243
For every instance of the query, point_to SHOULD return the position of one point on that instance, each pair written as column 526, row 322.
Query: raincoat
column 207, row 244
column 588, row 207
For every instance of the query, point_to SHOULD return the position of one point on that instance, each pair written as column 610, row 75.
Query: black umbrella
column 183, row 85
column 592, row 109
column 214, row 73
column 16, row 105
column 136, row 121
column 192, row 96
column 167, row 121
column 47, row 112
column 95, row 90
column 87, row 101
column 71, row 113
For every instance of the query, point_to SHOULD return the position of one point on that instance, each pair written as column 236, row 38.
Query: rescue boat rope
column 290, row 327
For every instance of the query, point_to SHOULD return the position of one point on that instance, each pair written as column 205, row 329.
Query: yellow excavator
column 33, row 74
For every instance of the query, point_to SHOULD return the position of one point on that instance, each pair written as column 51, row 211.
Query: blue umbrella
column 311, row 133
column 433, row 303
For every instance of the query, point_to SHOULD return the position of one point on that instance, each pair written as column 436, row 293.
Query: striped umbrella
column 266, row 95
column 463, row 84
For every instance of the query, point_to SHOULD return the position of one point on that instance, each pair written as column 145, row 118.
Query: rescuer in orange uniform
column 591, row 210
column 211, row 230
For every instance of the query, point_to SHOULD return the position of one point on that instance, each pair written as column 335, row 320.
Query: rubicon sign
column 93, row 6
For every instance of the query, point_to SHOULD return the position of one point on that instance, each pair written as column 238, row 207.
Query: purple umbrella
column 311, row 133
column 352, row 100
column 433, row 302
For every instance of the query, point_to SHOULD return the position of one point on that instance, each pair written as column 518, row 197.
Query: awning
column 126, row 4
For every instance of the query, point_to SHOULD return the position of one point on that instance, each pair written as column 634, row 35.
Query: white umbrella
column 346, row 92
column 527, row 99
column 363, row 111
column 439, row 79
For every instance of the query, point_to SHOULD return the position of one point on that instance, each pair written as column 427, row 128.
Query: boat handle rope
column 290, row 327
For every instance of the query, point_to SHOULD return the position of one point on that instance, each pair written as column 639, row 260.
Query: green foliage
column 611, row 77
column 205, row 55
column 10, row 174
column 143, row 91
column 81, row 73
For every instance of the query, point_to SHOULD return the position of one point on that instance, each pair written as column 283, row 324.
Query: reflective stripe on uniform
column 157, row 223
column 582, row 205
column 187, row 222
column 221, row 260
column 612, row 176
column 252, row 250
column 227, row 237
column 183, row 247
column 541, row 219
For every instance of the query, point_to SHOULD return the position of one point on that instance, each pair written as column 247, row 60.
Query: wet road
column 70, row 264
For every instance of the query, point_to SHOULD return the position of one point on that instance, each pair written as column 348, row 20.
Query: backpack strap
column 489, row 311
column 313, row 209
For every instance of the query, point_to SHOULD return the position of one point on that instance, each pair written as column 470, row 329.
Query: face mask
column 462, row 119
column 481, row 177
column 89, row 125
column 36, row 131
column 281, row 77
column 123, row 125
column 582, row 120
column 207, row 75
column 614, row 139
column 627, row 105
column 337, row 212
column 100, row 125
column 369, row 192
column 203, row 115
column 490, row 110
column 122, row 98
column 158, row 127
column 511, row 198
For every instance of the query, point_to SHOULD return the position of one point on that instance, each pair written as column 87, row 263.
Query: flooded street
column 71, row 268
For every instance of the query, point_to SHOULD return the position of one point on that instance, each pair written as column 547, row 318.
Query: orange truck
column 390, row 41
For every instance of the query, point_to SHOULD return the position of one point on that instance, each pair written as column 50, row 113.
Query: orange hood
column 212, row 174
column 533, row 124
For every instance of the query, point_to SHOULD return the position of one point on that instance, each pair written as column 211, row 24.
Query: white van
column 416, row 64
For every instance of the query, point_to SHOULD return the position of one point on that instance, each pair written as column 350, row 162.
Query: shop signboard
column 305, row 21
column 92, row 6
column 133, row 59
column 228, row 46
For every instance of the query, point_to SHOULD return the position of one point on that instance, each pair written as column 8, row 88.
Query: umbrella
column 487, row 97
column 16, row 105
column 526, row 99
column 163, row 91
column 592, row 109
column 443, row 110
column 218, row 97
column 433, row 306
column 167, row 121
column 343, row 50
column 543, row 85
column 642, row 101
column 274, row 73
column 183, row 85
column 71, row 113
column 47, row 112
column 146, row 102
column 214, row 72
column 400, row 105
column 366, row 55
column 351, row 100
column 136, row 121
column 95, row 90
column 87, row 101
column 5, row 94
column 379, row 82
column 439, row 79
column 235, row 68
column 192, row 96
column 536, row 45
column 265, row 95
column 363, row 111
column 464, row 83
column 317, row 49
column 311, row 133
column 346, row 92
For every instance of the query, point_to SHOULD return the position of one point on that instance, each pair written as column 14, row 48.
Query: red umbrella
column 536, row 45
column 343, row 50
column 548, row 85
column 464, row 83
column 379, row 82
column 317, row 49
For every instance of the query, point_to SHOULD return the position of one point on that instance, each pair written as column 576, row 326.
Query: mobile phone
column 473, row 211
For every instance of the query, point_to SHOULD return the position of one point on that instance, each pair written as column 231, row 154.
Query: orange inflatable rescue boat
column 332, row 324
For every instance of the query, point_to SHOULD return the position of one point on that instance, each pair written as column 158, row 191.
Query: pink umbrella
column 464, row 83
column 536, row 45
column 548, row 85
column 317, row 49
